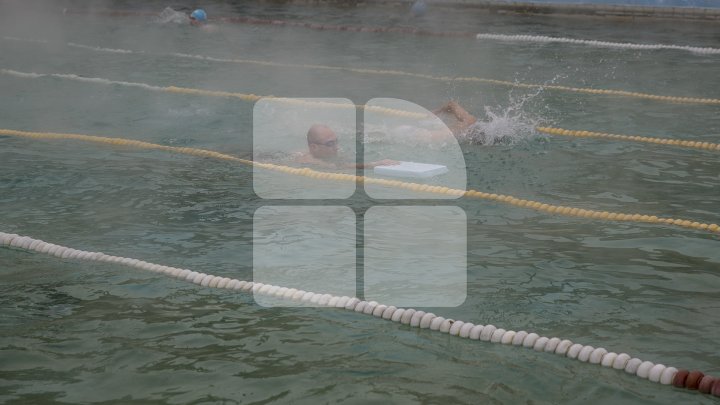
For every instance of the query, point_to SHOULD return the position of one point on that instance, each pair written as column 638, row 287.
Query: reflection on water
column 80, row 332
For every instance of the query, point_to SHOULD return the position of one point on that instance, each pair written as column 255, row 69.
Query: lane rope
column 212, row 93
column 416, row 187
column 598, row 44
column 447, row 79
column 654, row 372
column 631, row 138
column 386, row 111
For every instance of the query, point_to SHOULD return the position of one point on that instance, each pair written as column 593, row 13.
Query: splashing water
column 168, row 15
column 511, row 124
column 502, row 126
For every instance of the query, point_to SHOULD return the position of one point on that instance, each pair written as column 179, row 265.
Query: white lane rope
column 599, row 44
column 136, row 52
column 496, row 37
column 100, row 49
column 95, row 80
column 657, row 373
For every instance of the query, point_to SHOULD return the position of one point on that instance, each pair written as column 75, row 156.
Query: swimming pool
column 86, row 332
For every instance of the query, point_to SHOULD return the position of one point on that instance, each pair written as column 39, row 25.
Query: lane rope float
column 464, row 79
column 416, row 187
column 632, row 138
column 212, row 93
column 598, row 44
column 654, row 372
column 447, row 34
column 460, row 34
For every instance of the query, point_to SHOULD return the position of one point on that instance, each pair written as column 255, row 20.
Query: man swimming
column 323, row 148
column 465, row 126
column 197, row 18
column 457, row 123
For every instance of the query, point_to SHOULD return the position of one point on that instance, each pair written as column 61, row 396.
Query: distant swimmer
column 197, row 18
column 323, row 148
column 418, row 9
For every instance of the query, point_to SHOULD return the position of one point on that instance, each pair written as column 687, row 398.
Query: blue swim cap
column 418, row 9
column 199, row 15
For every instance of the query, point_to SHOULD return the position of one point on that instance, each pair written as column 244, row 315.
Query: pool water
column 77, row 332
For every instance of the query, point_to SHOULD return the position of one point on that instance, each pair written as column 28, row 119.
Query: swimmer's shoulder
column 306, row 159
column 302, row 157
column 210, row 28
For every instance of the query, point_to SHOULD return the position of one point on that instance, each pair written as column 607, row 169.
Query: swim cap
column 418, row 9
column 199, row 15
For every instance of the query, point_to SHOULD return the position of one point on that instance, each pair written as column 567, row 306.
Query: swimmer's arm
column 465, row 118
column 370, row 165
column 456, row 110
column 384, row 162
column 305, row 159
column 442, row 135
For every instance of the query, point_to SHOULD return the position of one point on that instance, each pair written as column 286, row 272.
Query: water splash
column 500, row 125
column 505, row 125
column 170, row 16
column 516, row 122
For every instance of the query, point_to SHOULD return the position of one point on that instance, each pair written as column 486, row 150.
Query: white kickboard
column 412, row 170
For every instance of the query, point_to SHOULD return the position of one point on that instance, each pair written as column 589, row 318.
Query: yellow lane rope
column 382, row 110
column 295, row 101
column 632, row 138
column 466, row 79
column 306, row 172
column 214, row 93
column 469, row 79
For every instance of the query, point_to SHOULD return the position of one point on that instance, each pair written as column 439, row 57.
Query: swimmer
column 418, row 9
column 467, row 128
column 323, row 151
column 458, row 124
column 198, row 18
column 463, row 124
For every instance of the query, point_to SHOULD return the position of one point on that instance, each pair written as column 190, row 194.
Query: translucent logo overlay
column 411, row 254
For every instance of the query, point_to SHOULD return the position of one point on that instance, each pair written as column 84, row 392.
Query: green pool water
column 80, row 332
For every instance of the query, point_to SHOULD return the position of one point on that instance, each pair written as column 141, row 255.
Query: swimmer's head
column 418, row 8
column 322, row 142
column 198, row 16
